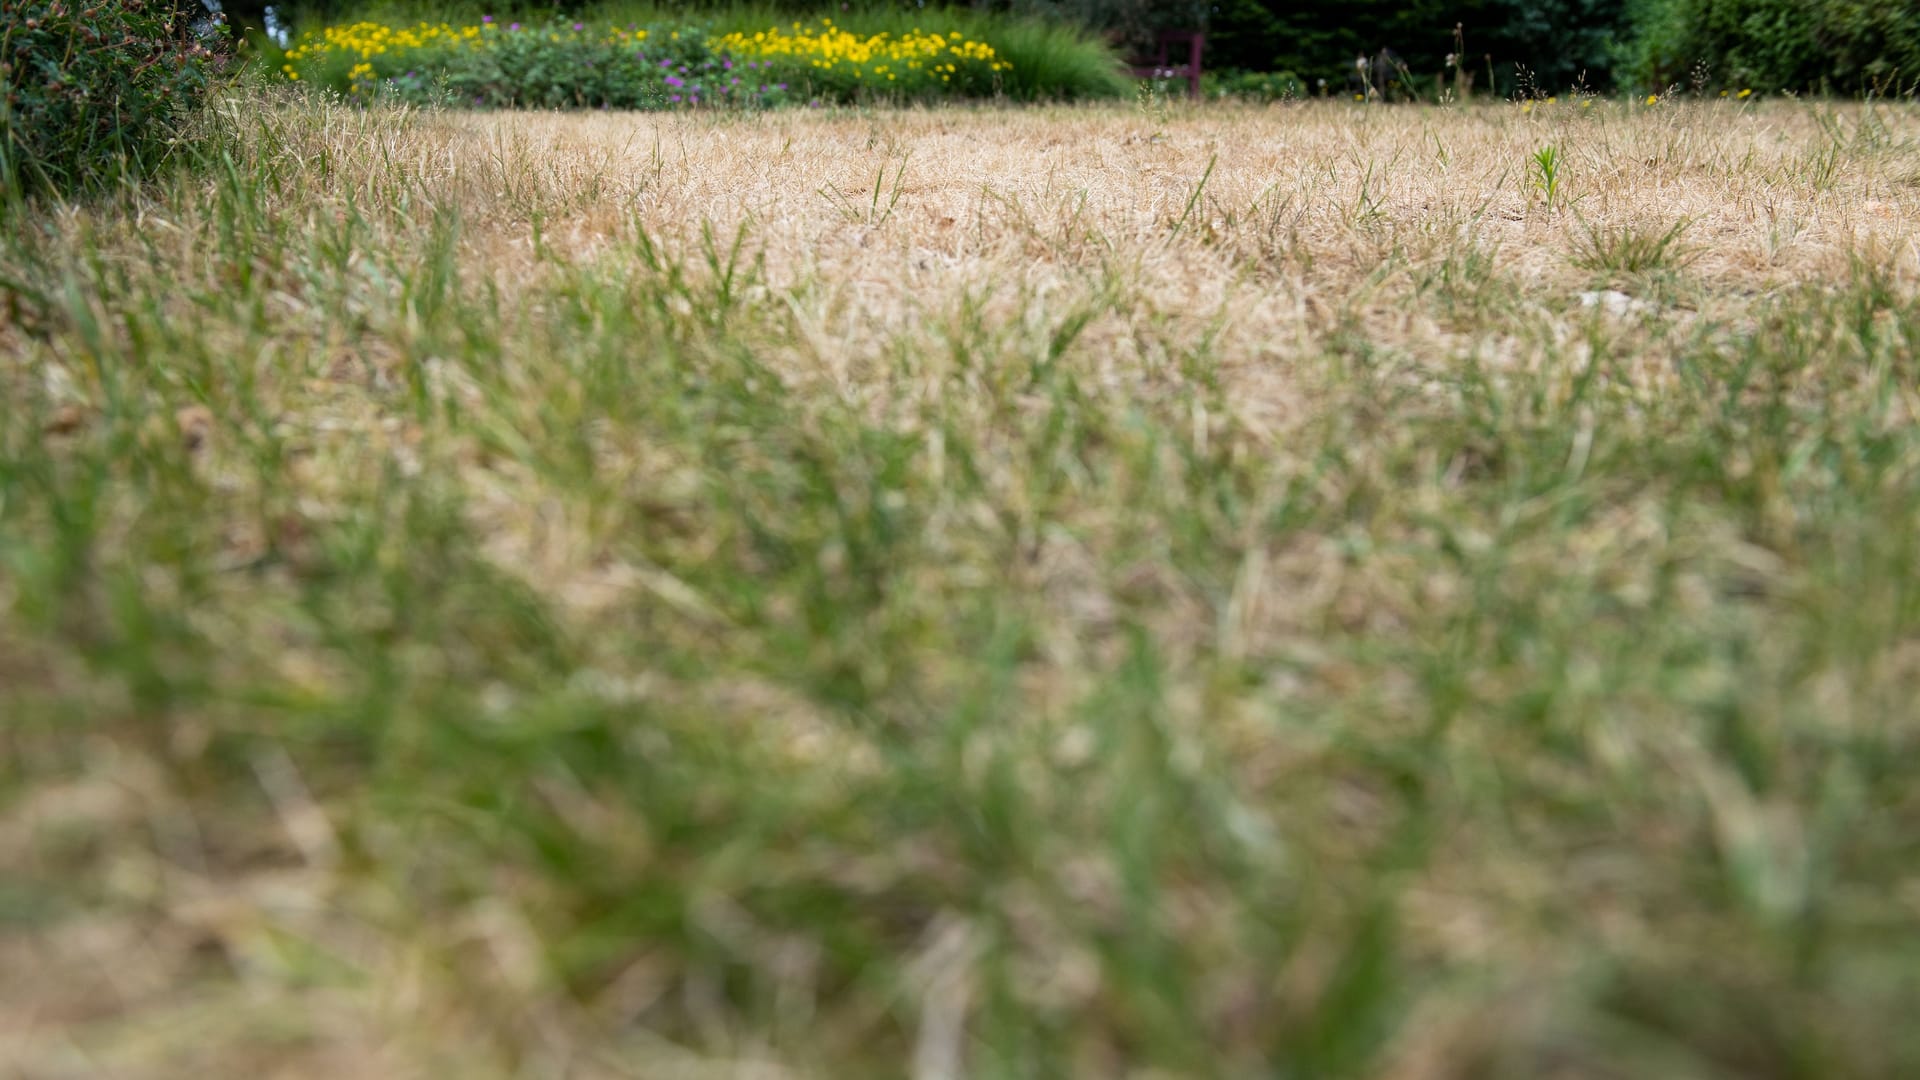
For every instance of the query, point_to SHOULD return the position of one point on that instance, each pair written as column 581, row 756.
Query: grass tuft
column 1632, row 249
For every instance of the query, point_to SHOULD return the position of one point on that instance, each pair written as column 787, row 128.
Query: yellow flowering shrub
column 833, row 62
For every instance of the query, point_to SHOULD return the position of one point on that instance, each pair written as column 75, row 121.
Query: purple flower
column 486, row 18
column 675, row 99
column 726, row 65
column 515, row 26
column 577, row 28
column 674, row 80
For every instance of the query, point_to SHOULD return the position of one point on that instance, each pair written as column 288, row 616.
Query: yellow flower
column 1653, row 99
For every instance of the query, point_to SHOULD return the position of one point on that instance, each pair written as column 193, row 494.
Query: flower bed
column 834, row 62
column 574, row 64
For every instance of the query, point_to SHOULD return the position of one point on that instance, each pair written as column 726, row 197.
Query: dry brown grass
column 1313, row 222
column 1308, row 215
column 1233, row 297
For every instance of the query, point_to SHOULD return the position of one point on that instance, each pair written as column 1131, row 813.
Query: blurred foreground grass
column 1119, row 591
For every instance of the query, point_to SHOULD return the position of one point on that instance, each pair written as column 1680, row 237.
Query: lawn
column 1315, row 591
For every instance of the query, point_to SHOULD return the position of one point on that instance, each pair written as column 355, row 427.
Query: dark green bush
column 1817, row 46
column 96, row 90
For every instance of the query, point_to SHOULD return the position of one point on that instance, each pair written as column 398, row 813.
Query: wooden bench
column 1165, row 63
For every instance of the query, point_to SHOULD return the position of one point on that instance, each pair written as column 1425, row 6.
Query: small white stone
column 1614, row 302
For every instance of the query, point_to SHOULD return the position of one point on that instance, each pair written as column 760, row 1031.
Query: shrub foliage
column 95, row 90
column 1829, row 46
